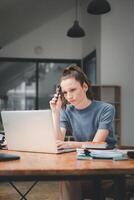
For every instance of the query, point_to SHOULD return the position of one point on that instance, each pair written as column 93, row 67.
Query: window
column 29, row 84
column 89, row 66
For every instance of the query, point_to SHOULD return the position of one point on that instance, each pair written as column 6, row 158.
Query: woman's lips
column 71, row 101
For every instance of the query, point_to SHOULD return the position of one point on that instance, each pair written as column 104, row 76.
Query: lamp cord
column 76, row 10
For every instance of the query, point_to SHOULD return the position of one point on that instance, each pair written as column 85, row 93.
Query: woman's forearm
column 56, row 123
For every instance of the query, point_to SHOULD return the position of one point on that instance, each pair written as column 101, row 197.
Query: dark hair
column 77, row 73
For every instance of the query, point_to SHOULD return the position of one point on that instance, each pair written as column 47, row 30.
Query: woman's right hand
column 56, row 103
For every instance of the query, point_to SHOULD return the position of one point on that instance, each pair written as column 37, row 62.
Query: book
column 95, row 145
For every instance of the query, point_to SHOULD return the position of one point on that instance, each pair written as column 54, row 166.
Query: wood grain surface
column 61, row 164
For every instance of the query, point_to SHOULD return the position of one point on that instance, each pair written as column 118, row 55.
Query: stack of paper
column 101, row 154
column 107, row 154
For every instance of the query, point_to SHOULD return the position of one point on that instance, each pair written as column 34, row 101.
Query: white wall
column 91, row 23
column 117, row 59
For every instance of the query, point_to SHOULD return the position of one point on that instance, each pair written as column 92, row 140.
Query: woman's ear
column 85, row 87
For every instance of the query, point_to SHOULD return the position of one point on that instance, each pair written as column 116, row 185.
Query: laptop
column 30, row 130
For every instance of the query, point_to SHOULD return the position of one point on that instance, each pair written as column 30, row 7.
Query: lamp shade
column 76, row 31
column 97, row 7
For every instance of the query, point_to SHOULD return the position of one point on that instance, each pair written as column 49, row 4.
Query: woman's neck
column 84, row 104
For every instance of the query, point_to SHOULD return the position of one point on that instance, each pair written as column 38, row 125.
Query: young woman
column 88, row 120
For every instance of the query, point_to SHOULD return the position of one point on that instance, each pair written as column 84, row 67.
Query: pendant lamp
column 98, row 7
column 76, row 31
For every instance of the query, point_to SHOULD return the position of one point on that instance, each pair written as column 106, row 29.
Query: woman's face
column 73, row 91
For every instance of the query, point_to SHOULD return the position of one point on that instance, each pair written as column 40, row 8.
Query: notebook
column 30, row 130
column 95, row 145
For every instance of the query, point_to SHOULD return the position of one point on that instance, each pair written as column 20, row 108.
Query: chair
column 107, row 189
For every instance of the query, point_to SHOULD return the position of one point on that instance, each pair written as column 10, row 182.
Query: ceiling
column 18, row 17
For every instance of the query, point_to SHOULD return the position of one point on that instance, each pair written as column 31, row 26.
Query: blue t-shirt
column 84, row 123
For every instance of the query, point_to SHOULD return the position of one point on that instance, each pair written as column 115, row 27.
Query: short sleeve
column 64, row 121
column 106, row 117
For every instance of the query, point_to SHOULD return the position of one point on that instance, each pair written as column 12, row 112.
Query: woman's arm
column 59, row 132
column 55, row 105
column 100, row 136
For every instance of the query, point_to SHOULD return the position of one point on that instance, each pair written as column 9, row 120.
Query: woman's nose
column 69, row 96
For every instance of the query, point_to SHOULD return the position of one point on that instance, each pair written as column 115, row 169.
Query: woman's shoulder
column 104, row 109
column 103, row 104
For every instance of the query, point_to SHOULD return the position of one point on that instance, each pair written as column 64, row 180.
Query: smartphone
column 59, row 92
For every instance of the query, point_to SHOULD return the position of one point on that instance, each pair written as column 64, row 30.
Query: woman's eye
column 72, row 90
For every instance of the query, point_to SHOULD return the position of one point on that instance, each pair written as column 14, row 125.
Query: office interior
column 34, row 49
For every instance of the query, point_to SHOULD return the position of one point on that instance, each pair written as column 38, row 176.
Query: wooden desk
column 37, row 166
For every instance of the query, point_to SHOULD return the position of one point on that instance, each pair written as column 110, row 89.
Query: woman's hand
column 55, row 103
column 68, row 144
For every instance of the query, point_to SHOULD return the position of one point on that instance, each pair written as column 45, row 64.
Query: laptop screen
column 29, row 130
